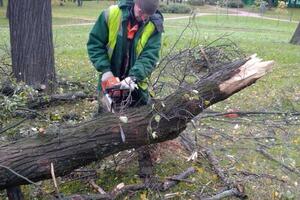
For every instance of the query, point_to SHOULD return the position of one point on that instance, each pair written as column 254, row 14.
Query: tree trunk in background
column 79, row 3
column 270, row 4
column 31, row 40
column 296, row 37
column 71, row 147
column 7, row 10
column 1, row 3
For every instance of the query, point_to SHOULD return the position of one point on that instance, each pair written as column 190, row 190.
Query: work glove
column 108, row 80
column 128, row 83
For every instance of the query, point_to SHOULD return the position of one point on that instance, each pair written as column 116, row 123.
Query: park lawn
column 280, row 90
column 89, row 11
column 70, row 13
column 292, row 14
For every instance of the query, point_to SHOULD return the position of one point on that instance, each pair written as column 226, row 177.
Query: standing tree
column 79, row 3
column 1, row 3
column 7, row 10
column 296, row 37
column 31, row 40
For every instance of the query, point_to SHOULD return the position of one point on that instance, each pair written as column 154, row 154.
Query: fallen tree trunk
column 71, row 147
column 57, row 98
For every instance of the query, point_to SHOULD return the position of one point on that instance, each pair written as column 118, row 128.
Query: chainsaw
column 115, row 98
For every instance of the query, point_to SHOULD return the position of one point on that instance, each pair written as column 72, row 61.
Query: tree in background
column 79, row 3
column 7, row 10
column 296, row 37
column 1, row 3
column 281, row 9
column 31, row 40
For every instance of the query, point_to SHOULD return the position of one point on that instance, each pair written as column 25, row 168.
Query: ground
column 233, row 140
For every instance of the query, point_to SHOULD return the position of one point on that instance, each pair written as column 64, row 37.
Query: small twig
column 13, row 125
column 168, row 184
column 240, row 113
column 205, row 57
column 54, row 181
column 216, row 167
column 269, row 156
column 224, row 194
column 97, row 187
column 235, row 189
column 180, row 179
column 203, row 188
column 32, row 111
column 255, row 176
column 19, row 175
column 115, row 193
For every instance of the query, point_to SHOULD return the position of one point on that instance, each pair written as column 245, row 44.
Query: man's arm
column 148, row 58
column 96, row 45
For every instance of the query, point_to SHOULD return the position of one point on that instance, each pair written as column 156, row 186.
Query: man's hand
column 128, row 83
column 108, row 80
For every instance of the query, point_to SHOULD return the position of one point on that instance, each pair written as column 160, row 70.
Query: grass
column 292, row 14
column 279, row 90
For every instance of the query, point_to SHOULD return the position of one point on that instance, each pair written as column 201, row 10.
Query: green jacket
column 140, row 66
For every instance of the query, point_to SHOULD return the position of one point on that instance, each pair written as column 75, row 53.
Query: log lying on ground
column 71, row 147
column 56, row 98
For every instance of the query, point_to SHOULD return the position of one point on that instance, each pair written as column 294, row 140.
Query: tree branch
column 71, row 147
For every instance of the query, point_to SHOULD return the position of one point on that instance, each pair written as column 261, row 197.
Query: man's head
column 143, row 9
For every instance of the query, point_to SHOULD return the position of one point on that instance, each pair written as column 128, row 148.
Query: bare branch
column 269, row 156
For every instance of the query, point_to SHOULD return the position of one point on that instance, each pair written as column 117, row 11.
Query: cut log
column 71, row 147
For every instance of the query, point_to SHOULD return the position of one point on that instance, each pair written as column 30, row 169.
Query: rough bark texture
column 296, row 37
column 7, row 10
column 31, row 42
column 71, row 147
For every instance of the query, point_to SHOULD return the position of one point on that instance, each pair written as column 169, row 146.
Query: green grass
column 70, row 13
column 287, row 14
column 279, row 90
column 90, row 10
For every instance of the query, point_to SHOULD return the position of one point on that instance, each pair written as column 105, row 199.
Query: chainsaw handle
column 114, row 87
column 117, row 87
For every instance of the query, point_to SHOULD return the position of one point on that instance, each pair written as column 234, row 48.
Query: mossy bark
column 71, row 147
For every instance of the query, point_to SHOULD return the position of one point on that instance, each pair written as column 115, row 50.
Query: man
column 124, row 45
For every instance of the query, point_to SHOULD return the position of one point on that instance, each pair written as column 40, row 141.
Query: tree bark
column 32, row 43
column 7, row 10
column 296, row 37
column 71, row 147
column 270, row 4
column 79, row 3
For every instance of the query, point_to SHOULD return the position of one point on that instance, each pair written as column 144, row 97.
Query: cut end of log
column 248, row 73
